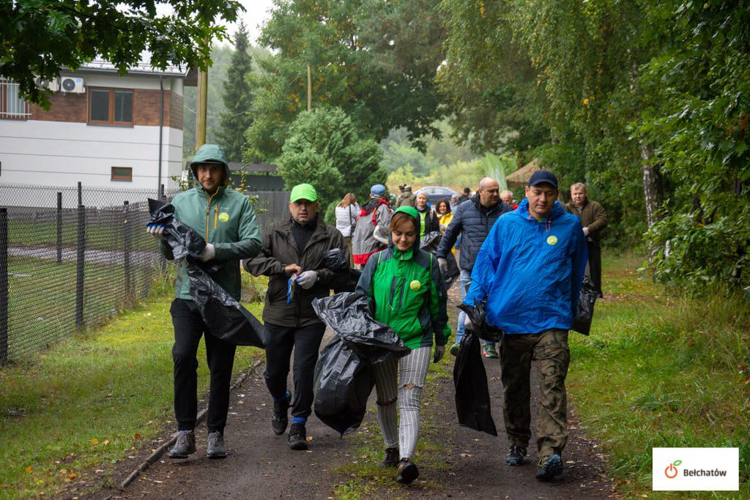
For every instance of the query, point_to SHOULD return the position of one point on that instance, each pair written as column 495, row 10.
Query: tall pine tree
column 237, row 98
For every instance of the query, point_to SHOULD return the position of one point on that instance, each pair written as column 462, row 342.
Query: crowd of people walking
column 524, row 261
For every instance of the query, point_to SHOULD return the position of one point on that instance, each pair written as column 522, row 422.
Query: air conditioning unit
column 53, row 85
column 72, row 85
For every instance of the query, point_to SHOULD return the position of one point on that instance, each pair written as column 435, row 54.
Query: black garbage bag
column 478, row 316
column 585, row 312
column 335, row 260
column 351, row 282
column 343, row 375
column 472, row 392
column 343, row 383
column 430, row 243
column 225, row 318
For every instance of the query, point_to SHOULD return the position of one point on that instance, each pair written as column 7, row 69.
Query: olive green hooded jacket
column 225, row 219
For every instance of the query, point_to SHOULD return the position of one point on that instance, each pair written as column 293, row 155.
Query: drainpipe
column 161, row 135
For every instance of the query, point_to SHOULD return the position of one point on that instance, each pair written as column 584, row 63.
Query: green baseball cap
column 303, row 192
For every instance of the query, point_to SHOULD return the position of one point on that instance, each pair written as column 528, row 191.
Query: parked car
column 436, row 193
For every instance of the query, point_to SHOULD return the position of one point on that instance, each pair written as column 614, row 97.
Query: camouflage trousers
column 550, row 350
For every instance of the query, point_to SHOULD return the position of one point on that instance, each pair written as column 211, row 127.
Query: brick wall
column 175, row 112
column 74, row 108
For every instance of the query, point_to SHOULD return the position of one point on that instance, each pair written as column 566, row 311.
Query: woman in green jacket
column 406, row 292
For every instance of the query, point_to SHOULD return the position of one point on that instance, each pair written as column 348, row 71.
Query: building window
column 122, row 174
column 12, row 105
column 110, row 107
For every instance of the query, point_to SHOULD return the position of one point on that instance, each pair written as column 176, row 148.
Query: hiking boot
column 216, row 447
column 515, row 455
column 391, row 457
column 454, row 348
column 489, row 351
column 280, row 419
column 549, row 467
column 184, row 446
column 298, row 437
column 407, row 471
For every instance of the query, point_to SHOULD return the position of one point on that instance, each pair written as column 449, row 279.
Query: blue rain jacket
column 531, row 272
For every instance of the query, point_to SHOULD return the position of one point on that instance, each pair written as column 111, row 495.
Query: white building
column 102, row 129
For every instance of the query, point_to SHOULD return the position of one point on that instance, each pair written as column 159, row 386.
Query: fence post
column 4, row 286
column 162, row 196
column 80, row 194
column 80, row 260
column 59, row 227
column 126, row 252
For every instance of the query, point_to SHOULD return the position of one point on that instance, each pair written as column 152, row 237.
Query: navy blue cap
column 542, row 177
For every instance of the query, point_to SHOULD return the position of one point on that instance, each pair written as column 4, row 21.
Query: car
column 436, row 193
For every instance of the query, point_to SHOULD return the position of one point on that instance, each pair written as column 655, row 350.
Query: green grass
column 91, row 400
column 42, row 298
column 662, row 370
column 98, row 236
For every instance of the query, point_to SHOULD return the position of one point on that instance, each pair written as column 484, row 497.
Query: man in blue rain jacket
column 530, row 269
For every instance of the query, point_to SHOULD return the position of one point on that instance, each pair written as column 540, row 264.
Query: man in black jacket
column 473, row 220
column 293, row 255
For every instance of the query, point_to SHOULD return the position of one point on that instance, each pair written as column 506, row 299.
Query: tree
column 41, row 37
column 324, row 149
column 237, row 98
column 367, row 57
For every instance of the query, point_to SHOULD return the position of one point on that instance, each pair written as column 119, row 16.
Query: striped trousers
column 403, row 380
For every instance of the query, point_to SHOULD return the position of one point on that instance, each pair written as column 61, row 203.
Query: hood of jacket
column 414, row 214
column 523, row 211
column 372, row 204
column 210, row 153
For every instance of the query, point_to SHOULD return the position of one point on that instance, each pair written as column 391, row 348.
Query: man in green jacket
column 226, row 219
column 293, row 256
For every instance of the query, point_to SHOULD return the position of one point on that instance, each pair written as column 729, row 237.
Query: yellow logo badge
column 415, row 285
column 223, row 216
column 552, row 240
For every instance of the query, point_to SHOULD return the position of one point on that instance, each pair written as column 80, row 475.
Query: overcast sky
column 256, row 12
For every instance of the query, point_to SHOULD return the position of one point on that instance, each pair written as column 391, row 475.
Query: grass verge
column 662, row 370
column 91, row 400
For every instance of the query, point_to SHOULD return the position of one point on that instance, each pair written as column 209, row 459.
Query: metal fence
column 67, row 265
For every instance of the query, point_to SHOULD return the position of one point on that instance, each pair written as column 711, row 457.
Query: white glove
column 439, row 353
column 156, row 230
column 208, row 253
column 307, row 279
column 467, row 323
column 443, row 265
column 586, row 231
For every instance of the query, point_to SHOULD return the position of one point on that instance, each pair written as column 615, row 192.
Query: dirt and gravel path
column 260, row 465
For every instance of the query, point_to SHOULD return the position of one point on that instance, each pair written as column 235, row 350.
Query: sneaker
column 549, row 467
column 216, row 447
column 298, row 437
column 280, row 419
column 407, row 471
column 391, row 457
column 515, row 455
column 454, row 348
column 184, row 446
column 488, row 351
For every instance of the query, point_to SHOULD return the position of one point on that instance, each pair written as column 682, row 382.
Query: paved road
column 261, row 465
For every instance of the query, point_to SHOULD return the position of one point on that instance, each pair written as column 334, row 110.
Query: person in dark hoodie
column 473, row 220
column 226, row 219
column 293, row 255
column 406, row 292
column 428, row 221
column 529, row 270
